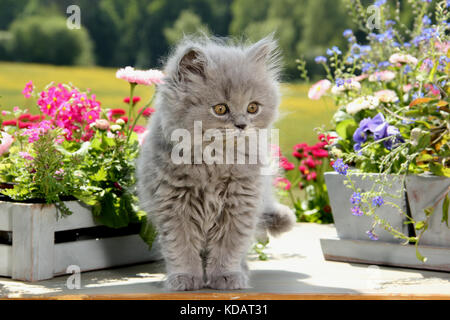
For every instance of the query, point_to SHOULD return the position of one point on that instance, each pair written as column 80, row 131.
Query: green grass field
column 298, row 115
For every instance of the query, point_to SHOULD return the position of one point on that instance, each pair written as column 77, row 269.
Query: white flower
column 120, row 122
column 349, row 84
column 403, row 58
column 385, row 75
column 361, row 103
column 115, row 128
column 386, row 96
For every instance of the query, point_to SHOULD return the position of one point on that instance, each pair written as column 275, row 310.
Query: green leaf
column 346, row 128
column 100, row 175
column 429, row 211
column 445, row 207
column 419, row 225
column 148, row 233
column 419, row 256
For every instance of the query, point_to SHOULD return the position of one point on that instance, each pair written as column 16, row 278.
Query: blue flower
column 384, row 64
column 347, row 33
column 356, row 198
column 372, row 235
column 366, row 66
column 377, row 201
column 380, row 130
column 356, row 211
column 333, row 50
column 379, row 3
column 340, row 167
column 320, row 59
column 426, row 20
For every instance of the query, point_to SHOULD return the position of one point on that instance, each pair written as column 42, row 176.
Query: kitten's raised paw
column 228, row 281
column 183, row 282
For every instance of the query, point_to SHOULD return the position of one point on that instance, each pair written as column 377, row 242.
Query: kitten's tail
column 278, row 220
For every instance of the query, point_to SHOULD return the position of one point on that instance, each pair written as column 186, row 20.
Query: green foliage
column 188, row 23
column 48, row 40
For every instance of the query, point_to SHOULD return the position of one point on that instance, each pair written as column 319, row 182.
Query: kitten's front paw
column 183, row 282
column 228, row 281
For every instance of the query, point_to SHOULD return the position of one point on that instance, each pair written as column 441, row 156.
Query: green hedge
column 48, row 40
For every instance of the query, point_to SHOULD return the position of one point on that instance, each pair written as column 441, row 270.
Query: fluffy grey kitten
column 207, row 215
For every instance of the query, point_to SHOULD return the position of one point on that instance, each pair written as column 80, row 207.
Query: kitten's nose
column 241, row 126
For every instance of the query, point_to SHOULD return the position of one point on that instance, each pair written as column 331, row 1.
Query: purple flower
column 347, row 33
column 380, row 130
column 372, row 235
column 340, row 167
column 356, row 198
column 356, row 211
column 320, row 59
column 377, row 201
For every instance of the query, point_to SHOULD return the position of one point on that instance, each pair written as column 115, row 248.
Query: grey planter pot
column 352, row 227
column 33, row 254
column 424, row 192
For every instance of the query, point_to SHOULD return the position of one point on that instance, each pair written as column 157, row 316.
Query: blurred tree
column 9, row 10
column 187, row 23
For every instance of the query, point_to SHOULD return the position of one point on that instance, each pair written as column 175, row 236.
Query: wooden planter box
column 353, row 244
column 35, row 245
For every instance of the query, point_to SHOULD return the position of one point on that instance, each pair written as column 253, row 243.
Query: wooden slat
column 103, row 253
column 246, row 296
column 383, row 253
column 81, row 217
column 5, row 216
column 33, row 239
column 5, row 260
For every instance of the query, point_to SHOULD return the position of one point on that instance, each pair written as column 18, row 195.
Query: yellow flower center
column 49, row 106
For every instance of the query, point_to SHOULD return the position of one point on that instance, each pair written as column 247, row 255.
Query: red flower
column 23, row 125
column 25, row 116
column 147, row 112
column 311, row 176
column 285, row 164
column 310, row 162
column 115, row 112
column 135, row 100
column 303, row 169
column 36, row 118
column 320, row 153
column 139, row 129
column 125, row 118
column 299, row 155
column 10, row 123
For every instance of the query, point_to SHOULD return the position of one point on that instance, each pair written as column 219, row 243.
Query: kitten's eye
column 252, row 107
column 220, row 109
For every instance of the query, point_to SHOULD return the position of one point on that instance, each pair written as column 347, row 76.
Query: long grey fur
column 208, row 215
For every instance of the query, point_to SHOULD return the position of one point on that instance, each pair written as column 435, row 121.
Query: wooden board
column 103, row 253
column 5, row 259
column 243, row 296
column 383, row 253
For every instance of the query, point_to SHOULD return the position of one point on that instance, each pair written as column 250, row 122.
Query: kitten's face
column 224, row 87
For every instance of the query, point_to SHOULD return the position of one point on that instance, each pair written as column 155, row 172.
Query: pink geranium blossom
column 385, row 75
column 145, row 77
column 319, row 89
column 386, row 96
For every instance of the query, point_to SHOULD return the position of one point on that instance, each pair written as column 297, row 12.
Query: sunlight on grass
column 298, row 114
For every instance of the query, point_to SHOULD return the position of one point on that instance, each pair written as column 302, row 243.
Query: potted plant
column 393, row 146
column 67, row 192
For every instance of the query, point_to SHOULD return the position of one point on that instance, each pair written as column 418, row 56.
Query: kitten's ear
column 266, row 52
column 193, row 62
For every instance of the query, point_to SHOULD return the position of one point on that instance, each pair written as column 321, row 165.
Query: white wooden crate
column 34, row 255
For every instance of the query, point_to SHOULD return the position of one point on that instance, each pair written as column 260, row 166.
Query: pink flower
column 102, row 124
column 6, row 142
column 319, row 89
column 320, row 153
column 386, row 96
column 147, row 77
column 147, row 112
column 25, row 155
column 28, row 89
column 311, row 176
column 5, row 113
column 139, row 129
column 16, row 109
column 282, row 183
column 385, row 75
column 285, row 164
column 135, row 100
column 37, row 130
